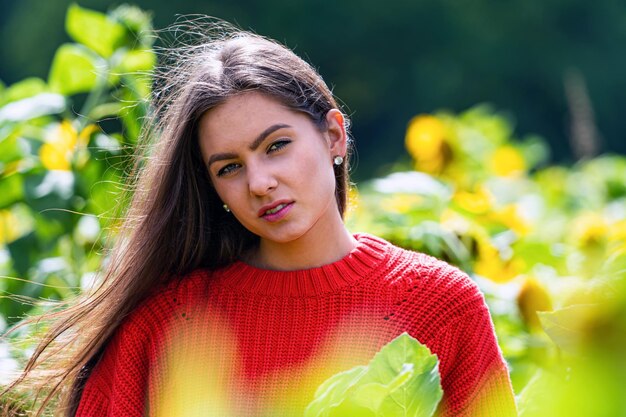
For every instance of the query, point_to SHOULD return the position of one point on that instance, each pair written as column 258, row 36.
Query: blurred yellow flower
column 489, row 263
column 454, row 222
column 401, row 203
column 9, row 230
column 590, row 230
column 478, row 202
column 533, row 297
column 61, row 144
column 508, row 161
column 617, row 237
column 425, row 142
column 510, row 217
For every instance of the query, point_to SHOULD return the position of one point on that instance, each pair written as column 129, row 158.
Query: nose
column 261, row 180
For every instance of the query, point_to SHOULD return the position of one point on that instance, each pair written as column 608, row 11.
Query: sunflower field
column 545, row 243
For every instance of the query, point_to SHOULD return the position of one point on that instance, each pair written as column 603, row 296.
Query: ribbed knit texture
column 243, row 341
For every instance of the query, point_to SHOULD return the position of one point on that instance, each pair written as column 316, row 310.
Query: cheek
column 224, row 193
column 320, row 173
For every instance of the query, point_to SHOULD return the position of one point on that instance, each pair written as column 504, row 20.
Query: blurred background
column 554, row 67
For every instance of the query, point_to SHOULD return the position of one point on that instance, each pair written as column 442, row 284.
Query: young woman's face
column 273, row 167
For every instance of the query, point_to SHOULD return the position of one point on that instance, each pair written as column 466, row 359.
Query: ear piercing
column 338, row 160
column 226, row 208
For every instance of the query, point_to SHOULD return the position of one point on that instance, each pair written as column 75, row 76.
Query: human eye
column 227, row 169
column 278, row 145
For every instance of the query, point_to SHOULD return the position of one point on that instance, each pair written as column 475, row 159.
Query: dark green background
column 390, row 60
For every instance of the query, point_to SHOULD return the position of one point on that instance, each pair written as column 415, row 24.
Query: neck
column 325, row 247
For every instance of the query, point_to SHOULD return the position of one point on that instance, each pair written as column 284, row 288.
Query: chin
column 283, row 237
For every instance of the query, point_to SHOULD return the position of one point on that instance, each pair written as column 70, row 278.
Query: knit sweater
column 243, row 341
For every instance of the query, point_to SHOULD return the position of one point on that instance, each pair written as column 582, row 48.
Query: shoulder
column 168, row 298
column 163, row 305
column 117, row 383
column 150, row 322
column 430, row 284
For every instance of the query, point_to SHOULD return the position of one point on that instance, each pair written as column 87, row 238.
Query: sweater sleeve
column 475, row 377
column 117, row 385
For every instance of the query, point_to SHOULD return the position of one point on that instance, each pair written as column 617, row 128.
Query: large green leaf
column 566, row 325
column 74, row 69
column 332, row 392
column 94, row 30
column 401, row 380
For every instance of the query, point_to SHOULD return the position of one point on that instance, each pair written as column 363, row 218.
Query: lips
column 273, row 208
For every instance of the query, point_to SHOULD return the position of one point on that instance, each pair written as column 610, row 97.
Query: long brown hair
column 175, row 222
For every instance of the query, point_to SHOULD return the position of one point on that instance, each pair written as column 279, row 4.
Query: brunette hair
column 175, row 222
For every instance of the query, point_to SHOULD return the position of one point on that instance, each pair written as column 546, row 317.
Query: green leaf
column 138, row 23
column 373, row 395
column 29, row 108
column 332, row 392
column 23, row 89
column 105, row 110
column 74, row 69
column 538, row 252
column 135, row 108
column 566, row 326
column 417, row 395
column 94, row 30
column 538, row 395
column 10, row 151
column 401, row 380
column 137, row 60
column 10, row 190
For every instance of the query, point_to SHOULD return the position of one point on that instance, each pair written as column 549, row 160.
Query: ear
column 338, row 139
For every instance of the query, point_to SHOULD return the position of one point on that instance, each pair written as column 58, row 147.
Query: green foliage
column 58, row 169
column 401, row 380
column 74, row 69
column 97, row 31
column 546, row 244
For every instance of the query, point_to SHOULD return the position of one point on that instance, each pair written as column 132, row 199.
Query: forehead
column 243, row 117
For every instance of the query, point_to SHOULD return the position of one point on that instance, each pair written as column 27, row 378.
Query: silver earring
column 226, row 208
column 338, row 160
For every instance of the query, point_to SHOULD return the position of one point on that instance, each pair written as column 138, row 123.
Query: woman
column 235, row 288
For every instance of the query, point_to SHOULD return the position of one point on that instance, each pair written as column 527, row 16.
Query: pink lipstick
column 276, row 211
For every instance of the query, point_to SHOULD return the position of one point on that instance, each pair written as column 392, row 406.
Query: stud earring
column 226, row 208
column 338, row 160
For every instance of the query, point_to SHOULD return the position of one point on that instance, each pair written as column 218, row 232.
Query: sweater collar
column 358, row 264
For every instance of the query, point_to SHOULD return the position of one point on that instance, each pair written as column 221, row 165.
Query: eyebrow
column 253, row 146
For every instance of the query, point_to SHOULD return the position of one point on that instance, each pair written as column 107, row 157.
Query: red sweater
column 242, row 341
